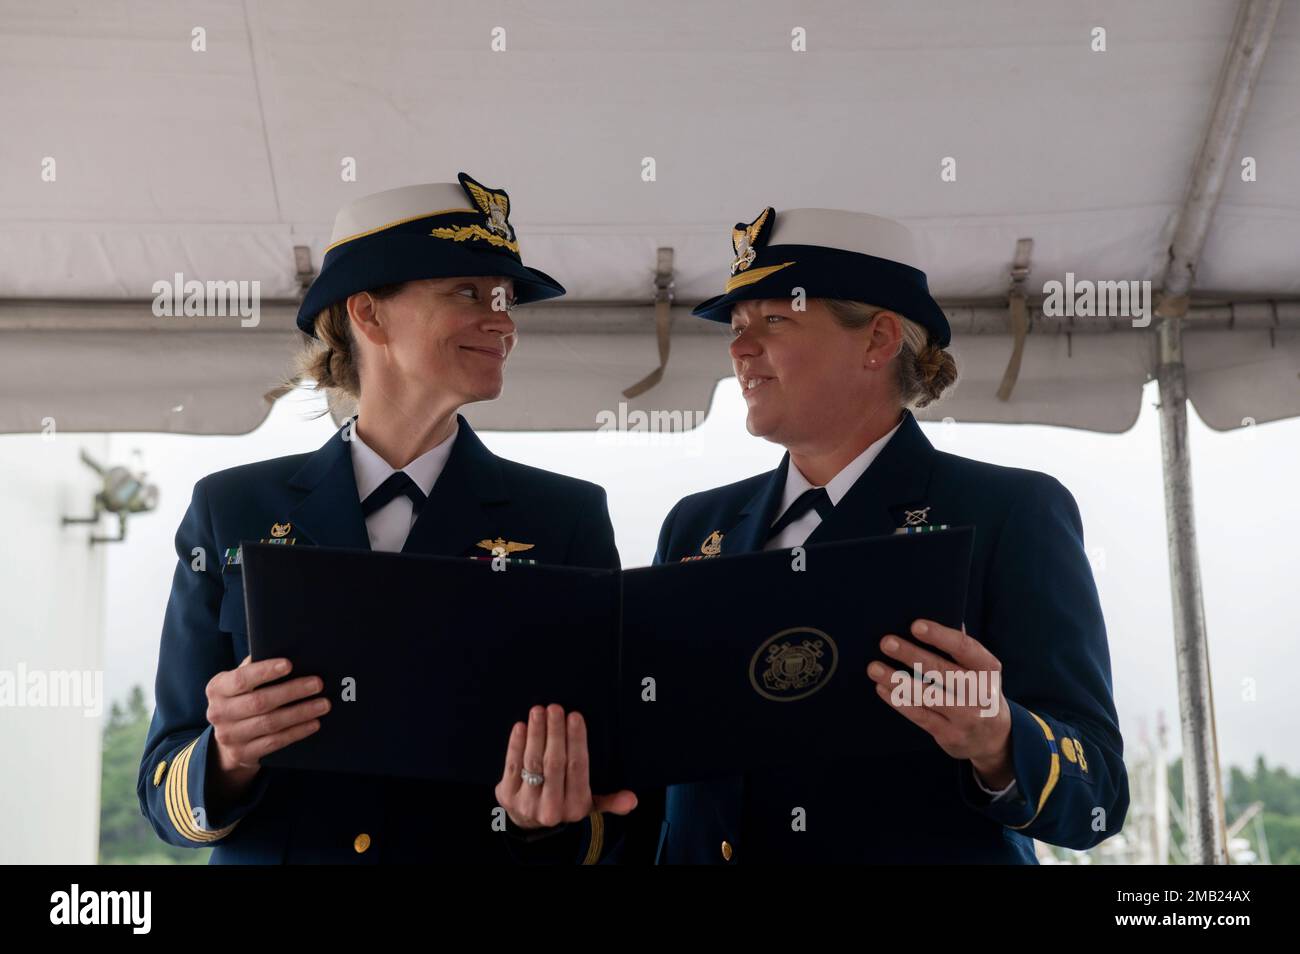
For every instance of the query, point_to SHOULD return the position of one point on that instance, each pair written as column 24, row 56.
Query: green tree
column 125, row 835
column 1279, row 792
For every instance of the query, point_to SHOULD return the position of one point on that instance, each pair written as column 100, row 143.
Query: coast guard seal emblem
column 793, row 664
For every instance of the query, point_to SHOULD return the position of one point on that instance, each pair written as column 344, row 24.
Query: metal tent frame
column 1207, row 834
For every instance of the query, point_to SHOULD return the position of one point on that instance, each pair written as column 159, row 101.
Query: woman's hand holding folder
column 250, row 719
column 546, row 781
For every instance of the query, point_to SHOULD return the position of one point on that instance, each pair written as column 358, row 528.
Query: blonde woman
column 834, row 338
column 411, row 319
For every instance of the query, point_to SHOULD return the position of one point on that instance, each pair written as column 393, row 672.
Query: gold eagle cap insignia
column 494, row 205
column 747, row 239
column 509, row 546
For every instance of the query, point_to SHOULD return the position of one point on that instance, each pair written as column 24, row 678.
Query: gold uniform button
column 361, row 843
column 726, row 851
column 158, row 773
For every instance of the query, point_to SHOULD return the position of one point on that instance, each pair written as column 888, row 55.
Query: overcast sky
column 1248, row 521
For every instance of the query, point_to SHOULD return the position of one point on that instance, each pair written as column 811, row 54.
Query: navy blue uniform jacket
column 1032, row 602
column 293, row 816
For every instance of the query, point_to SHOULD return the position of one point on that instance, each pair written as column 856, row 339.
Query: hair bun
column 937, row 371
column 930, row 359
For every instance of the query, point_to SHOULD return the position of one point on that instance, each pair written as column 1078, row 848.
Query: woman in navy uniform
column 831, row 378
column 411, row 318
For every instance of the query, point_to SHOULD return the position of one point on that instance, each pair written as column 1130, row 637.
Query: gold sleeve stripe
column 169, row 793
column 177, row 797
column 215, row 834
column 195, row 833
column 749, row 277
column 597, row 838
column 176, row 809
column 1053, row 773
column 389, row 225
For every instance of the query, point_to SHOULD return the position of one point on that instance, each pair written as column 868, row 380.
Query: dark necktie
column 398, row 483
column 815, row 498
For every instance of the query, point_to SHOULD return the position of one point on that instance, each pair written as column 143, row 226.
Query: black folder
column 428, row 661
column 683, row 672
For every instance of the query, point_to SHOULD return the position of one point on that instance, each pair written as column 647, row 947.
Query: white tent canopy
column 217, row 164
column 126, row 370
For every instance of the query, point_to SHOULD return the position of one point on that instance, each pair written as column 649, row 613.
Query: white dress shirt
column 388, row 526
column 796, row 483
column 800, row 530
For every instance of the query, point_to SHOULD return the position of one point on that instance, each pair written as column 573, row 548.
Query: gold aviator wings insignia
column 509, row 546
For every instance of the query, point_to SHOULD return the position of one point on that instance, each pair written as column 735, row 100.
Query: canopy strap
column 305, row 273
column 663, row 321
column 1019, row 311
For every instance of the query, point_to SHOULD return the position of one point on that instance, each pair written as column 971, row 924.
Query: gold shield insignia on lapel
column 711, row 547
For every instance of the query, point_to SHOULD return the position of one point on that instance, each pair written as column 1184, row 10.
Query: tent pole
column 1202, row 785
column 1203, row 798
